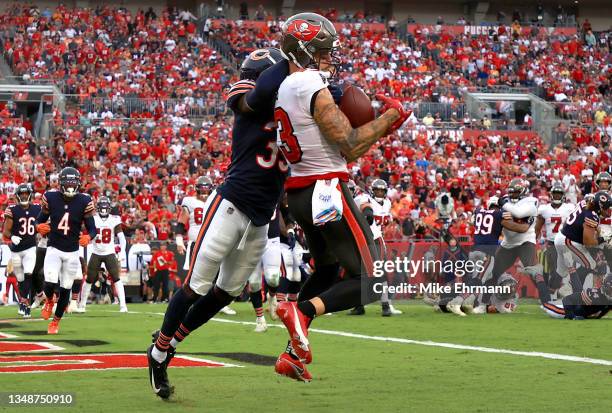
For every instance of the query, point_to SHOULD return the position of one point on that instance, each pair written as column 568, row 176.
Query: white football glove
column 15, row 240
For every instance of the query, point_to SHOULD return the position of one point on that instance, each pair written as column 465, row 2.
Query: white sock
column 174, row 343
column 120, row 293
column 85, row 294
column 159, row 356
column 384, row 298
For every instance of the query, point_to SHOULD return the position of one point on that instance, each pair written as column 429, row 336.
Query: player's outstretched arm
column 335, row 126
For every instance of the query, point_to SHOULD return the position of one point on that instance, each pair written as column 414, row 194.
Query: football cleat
column 292, row 368
column 40, row 297
column 158, row 375
column 27, row 312
column 273, row 306
column 455, row 309
column 480, row 309
column 21, row 310
column 72, row 307
column 123, row 309
column 296, row 323
column 53, row 327
column 260, row 325
column 386, row 310
column 394, row 310
column 79, row 310
column 47, row 309
column 227, row 310
column 359, row 310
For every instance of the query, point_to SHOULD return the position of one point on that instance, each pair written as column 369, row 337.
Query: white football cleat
column 455, row 309
column 394, row 310
column 480, row 309
column 227, row 310
column 79, row 310
column 72, row 307
column 273, row 306
column 123, row 309
column 261, row 325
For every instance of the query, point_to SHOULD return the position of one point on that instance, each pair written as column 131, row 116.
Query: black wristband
column 180, row 228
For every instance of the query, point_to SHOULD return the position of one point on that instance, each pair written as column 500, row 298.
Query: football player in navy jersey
column 234, row 229
column 592, row 303
column 19, row 232
column 66, row 210
column 579, row 235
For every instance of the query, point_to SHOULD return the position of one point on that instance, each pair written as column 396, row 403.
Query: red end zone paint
column 67, row 362
column 26, row 346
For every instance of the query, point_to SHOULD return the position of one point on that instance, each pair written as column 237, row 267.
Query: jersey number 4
column 290, row 145
column 64, row 224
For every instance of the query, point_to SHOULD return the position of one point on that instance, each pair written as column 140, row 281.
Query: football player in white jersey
column 521, row 207
column 551, row 217
column 377, row 210
column 104, row 251
column 318, row 140
column 192, row 215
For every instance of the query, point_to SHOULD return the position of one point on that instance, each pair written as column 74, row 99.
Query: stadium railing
column 199, row 108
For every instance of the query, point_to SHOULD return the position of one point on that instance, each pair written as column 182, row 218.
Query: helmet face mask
column 70, row 182
column 557, row 195
column 517, row 190
column 203, row 185
column 104, row 207
column 509, row 286
column 379, row 190
column 603, row 181
column 24, row 195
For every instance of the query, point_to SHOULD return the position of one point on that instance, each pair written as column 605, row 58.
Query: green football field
column 420, row 361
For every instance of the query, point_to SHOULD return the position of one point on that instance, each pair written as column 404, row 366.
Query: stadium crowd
column 147, row 157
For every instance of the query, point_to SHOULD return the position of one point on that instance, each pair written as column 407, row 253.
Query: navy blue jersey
column 67, row 217
column 257, row 171
column 573, row 228
column 487, row 226
column 590, row 303
column 274, row 227
column 24, row 225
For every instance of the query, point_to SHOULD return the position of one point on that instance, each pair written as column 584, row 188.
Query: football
column 356, row 105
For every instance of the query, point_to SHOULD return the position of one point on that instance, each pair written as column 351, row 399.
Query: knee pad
column 254, row 285
column 272, row 276
column 294, row 275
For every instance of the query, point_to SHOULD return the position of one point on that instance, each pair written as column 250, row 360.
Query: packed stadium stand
column 138, row 103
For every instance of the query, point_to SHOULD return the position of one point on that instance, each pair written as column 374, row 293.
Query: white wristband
column 179, row 241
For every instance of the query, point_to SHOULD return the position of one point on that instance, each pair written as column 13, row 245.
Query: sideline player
column 376, row 208
column 104, row 251
column 19, row 232
column 67, row 209
column 235, row 224
column 317, row 140
column 192, row 215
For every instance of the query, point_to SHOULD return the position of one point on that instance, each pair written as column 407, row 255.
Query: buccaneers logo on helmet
column 303, row 30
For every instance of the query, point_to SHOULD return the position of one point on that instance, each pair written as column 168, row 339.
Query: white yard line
column 428, row 343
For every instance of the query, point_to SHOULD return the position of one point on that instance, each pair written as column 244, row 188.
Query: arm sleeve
column 122, row 242
column 264, row 93
column 44, row 210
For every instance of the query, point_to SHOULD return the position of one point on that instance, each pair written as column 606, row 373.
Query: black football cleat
column 158, row 376
column 386, row 310
column 359, row 310
column 170, row 352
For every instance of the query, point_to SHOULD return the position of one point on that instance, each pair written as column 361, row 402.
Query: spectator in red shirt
column 161, row 261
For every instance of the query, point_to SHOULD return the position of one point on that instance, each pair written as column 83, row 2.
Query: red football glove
column 390, row 103
column 43, row 229
column 117, row 249
column 84, row 240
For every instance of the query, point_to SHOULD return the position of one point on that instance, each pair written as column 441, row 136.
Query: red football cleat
column 45, row 313
column 292, row 368
column 53, row 327
column 296, row 323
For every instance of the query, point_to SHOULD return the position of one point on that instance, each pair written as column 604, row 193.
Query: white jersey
column 299, row 137
column 196, row 215
column 554, row 218
column 381, row 212
column 605, row 224
column 524, row 208
column 104, row 242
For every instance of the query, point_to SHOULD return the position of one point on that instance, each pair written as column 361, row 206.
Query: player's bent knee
column 189, row 291
column 272, row 278
column 254, row 286
column 223, row 297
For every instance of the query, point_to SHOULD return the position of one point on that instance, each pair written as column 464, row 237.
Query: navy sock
column 206, row 307
column 177, row 308
column 257, row 302
column 62, row 303
column 76, row 289
column 49, row 289
column 24, row 289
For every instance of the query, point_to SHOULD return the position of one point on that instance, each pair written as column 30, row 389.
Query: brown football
column 356, row 105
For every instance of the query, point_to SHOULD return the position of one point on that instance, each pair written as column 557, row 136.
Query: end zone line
column 551, row 356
